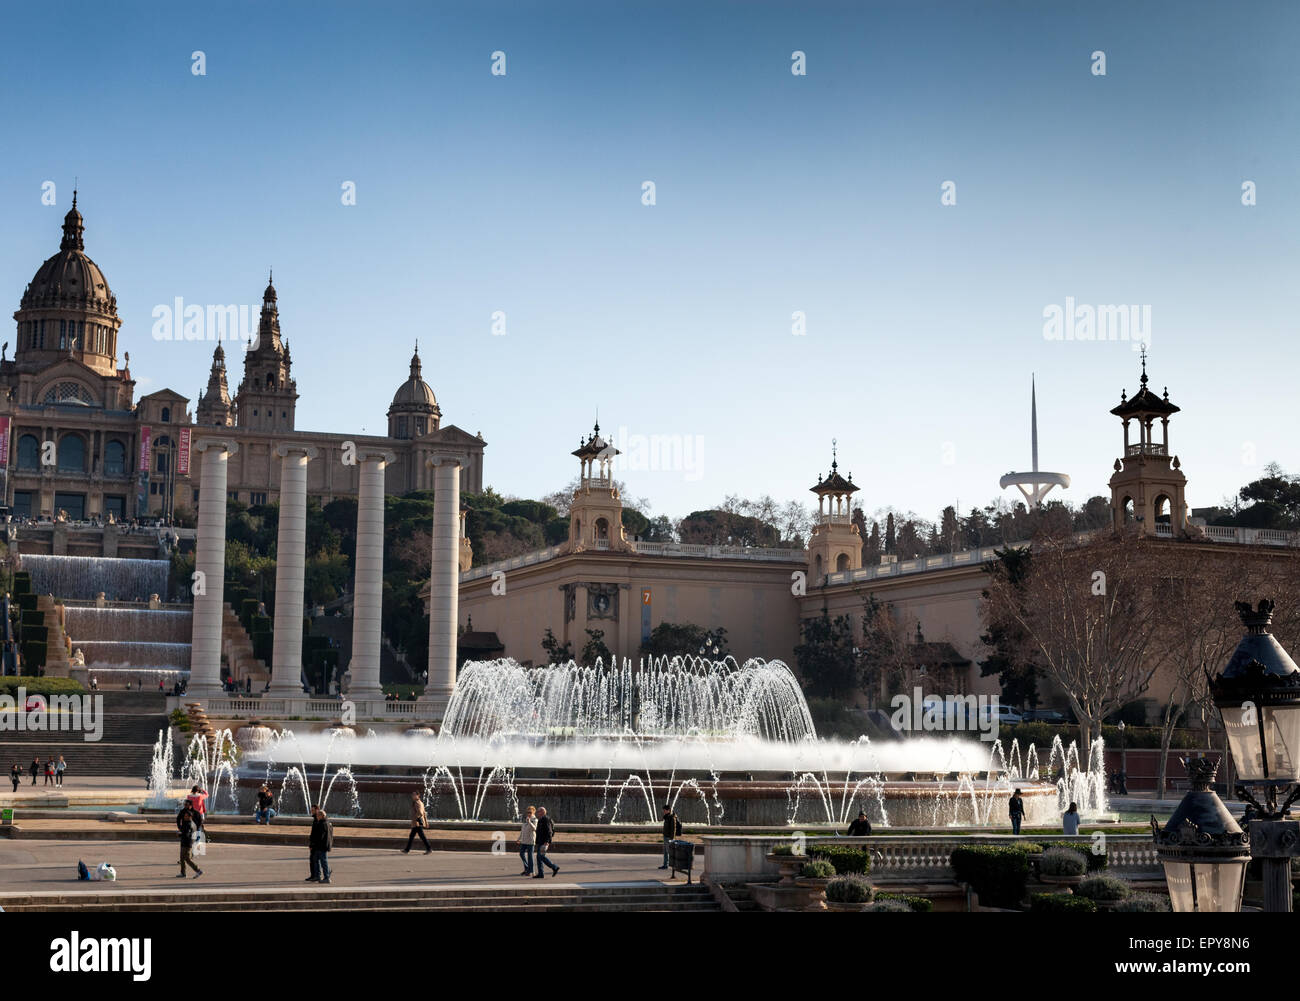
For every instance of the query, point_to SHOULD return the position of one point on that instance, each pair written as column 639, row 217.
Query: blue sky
column 775, row 193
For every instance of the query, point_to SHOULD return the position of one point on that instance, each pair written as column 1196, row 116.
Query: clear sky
column 775, row 193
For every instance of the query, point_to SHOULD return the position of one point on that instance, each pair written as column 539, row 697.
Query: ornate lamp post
column 1258, row 695
column 1203, row 849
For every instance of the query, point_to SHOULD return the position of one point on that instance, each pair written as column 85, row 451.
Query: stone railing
column 276, row 707
column 1147, row 448
column 731, row 858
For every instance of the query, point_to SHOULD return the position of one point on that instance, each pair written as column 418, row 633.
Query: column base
column 202, row 691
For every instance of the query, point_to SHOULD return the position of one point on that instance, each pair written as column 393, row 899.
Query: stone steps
column 291, row 900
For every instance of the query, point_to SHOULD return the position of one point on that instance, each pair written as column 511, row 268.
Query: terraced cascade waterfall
column 83, row 578
column 132, row 640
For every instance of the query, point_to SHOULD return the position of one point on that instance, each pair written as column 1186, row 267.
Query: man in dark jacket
column 545, row 835
column 671, row 829
column 321, row 841
column 186, row 825
column 861, row 827
column 35, row 769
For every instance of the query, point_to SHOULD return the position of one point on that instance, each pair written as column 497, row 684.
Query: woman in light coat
column 527, row 837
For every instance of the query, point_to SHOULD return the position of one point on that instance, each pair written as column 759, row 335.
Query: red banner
column 183, row 455
column 4, row 442
column 146, row 437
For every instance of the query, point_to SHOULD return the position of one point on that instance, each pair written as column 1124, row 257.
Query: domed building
column 81, row 447
column 414, row 411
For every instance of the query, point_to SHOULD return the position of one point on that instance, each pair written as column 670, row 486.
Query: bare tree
column 1089, row 613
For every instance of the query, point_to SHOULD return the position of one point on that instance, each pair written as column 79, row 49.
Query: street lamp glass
column 1265, row 742
column 1205, row 886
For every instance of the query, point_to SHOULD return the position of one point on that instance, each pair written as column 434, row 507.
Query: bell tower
column 836, row 543
column 267, row 395
column 1147, row 489
column 596, row 516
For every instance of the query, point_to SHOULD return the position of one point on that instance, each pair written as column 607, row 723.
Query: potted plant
column 892, row 906
column 788, row 861
column 848, row 893
column 1061, row 866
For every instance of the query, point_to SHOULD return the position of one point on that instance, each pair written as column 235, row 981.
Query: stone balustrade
column 281, row 707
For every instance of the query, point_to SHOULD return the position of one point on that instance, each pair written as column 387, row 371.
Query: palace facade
column 78, row 444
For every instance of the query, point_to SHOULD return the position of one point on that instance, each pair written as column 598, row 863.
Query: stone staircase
column 195, row 897
column 130, row 726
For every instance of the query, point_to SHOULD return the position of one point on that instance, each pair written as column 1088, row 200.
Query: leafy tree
column 556, row 652
column 825, row 656
column 1012, row 658
column 595, row 649
column 670, row 639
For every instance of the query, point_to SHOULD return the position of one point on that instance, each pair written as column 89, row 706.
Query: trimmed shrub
column 997, row 874
column 1144, row 903
column 1094, row 860
column 22, row 583
column 1060, row 903
column 41, row 686
column 180, row 720
column 1103, row 888
column 1062, row 862
column 817, row 868
column 34, row 654
column 846, row 858
column 850, row 889
column 921, row 905
column 892, row 906
column 26, row 602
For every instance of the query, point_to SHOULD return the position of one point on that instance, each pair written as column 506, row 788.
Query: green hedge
column 921, row 904
column 34, row 634
column 845, row 858
column 1094, row 860
column 26, row 602
column 22, row 583
column 34, row 653
column 997, row 874
column 41, row 686
column 1060, row 903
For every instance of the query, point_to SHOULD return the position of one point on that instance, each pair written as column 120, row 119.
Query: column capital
column 285, row 448
column 370, row 453
column 434, row 461
column 224, row 444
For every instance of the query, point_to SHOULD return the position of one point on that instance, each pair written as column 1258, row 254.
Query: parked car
column 1006, row 715
column 1045, row 716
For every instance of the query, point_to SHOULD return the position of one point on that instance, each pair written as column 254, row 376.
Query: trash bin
column 681, row 858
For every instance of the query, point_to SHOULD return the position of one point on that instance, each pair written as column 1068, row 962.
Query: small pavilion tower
column 1147, row 487
column 215, row 407
column 596, row 516
column 836, row 543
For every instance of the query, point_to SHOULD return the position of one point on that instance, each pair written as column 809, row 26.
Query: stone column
column 367, row 605
column 290, row 557
column 444, row 582
column 210, row 562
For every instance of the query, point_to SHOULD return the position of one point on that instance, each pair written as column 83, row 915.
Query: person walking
column 265, row 806
column 861, row 827
column 49, row 771
column 1016, row 809
column 189, row 831
column 59, row 769
column 545, row 836
column 320, row 843
column 418, row 820
column 1070, row 820
column 16, row 775
column 672, row 828
column 35, row 769
column 528, row 838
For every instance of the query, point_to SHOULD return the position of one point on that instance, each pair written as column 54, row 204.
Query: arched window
column 166, row 415
column 68, row 394
column 841, row 562
column 114, row 459
column 29, row 452
column 72, row 454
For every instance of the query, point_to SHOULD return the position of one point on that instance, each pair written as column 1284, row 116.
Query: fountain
column 724, row 743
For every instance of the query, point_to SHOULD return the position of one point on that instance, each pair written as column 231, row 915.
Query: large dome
column 414, row 395
column 70, row 278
